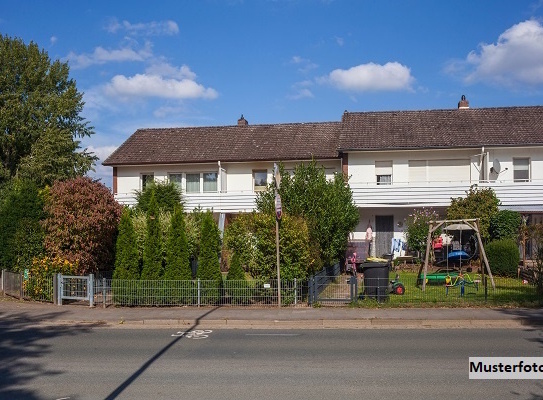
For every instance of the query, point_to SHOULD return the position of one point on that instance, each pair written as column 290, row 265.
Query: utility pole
column 278, row 214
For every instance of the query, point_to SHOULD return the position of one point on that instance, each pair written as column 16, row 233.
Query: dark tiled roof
column 228, row 143
column 474, row 127
column 388, row 130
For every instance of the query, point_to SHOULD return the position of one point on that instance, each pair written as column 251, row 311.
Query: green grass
column 508, row 292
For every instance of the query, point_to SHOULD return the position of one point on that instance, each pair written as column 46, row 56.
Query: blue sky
column 199, row 63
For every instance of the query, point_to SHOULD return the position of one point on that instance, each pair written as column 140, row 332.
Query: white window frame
column 383, row 170
column 144, row 179
column 521, row 168
column 260, row 188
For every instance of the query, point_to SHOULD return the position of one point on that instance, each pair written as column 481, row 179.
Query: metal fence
column 196, row 293
column 322, row 289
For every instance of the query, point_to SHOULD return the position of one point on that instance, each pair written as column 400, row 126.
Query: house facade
column 396, row 161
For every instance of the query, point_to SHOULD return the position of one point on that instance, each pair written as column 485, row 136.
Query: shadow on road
column 141, row 370
column 23, row 344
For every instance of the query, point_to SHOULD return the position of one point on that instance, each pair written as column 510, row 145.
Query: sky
column 186, row 63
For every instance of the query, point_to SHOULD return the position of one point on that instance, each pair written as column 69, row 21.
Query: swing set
column 461, row 279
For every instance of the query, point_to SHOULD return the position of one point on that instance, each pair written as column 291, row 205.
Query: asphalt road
column 98, row 363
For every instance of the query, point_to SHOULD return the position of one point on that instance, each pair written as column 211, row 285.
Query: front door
column 384, row 233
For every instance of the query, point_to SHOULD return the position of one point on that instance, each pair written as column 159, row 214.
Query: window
column 193, row 183
column 177, row 179
column 260, row 179
column 210, row 181
column 521, row 169
column 146, row 179
column 383, row 172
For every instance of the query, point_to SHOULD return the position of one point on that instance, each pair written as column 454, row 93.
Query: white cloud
column 302, row 93
column 371, row 77
column 304, row 65
column 102, row 56
column 153, row 28
column 516, row 58
column 168, row 70
column 142, row 85
column 53, row 40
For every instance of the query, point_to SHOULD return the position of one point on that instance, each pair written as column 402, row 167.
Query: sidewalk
column 45, row 314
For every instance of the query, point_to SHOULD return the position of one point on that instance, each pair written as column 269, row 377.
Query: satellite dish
column 496, row 167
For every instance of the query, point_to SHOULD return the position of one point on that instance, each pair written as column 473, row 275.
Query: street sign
column 278, row 206
column 277, row 175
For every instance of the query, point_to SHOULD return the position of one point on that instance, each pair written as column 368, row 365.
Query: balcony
column 439, row 194
column 370, row 195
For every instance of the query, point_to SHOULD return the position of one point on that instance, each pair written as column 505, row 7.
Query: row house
column 397, row 161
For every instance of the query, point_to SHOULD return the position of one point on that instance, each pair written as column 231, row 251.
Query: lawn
column 508, row 292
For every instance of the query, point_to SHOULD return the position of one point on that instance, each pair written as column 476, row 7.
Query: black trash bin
column 376, row 280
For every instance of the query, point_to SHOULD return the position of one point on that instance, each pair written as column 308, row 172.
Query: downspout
column 483, row 167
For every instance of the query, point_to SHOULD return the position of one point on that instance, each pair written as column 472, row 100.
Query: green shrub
column 505, row 225
column 152, row 249
column 177, row 253
column 126, row 255
column 167, row 195
column 503, row 257
column 209, row 270
column 236, row 284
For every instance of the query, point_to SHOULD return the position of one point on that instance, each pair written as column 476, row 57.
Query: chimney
column 463, row 104
column 242, row 121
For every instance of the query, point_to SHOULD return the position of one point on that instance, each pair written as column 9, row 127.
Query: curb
column 372, row 323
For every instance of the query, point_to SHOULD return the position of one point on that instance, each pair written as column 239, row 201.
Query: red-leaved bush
column 81, row 223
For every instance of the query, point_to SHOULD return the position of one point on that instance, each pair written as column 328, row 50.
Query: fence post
column 60, row 289
column 3, row 277
column 310, row 291
column 90, row 290
column 295, row 292
column 21, row 291
column 199, row 289
column 104, row 292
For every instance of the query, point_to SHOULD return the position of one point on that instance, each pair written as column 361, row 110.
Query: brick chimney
column 242, row 121
column 463, row 104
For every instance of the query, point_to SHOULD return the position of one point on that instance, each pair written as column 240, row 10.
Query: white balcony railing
column 439, row 194
column 370, row 195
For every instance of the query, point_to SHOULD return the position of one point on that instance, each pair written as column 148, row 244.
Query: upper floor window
column 260, row 180
column 383, row 172
column 193, row 183
column 521, row 169
column 146, row 179
column 210, row 181
column 177, row 179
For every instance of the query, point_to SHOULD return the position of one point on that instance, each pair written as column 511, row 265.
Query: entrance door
column 384, row 233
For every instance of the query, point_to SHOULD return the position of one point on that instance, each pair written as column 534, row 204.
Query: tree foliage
column 326, row 205
column 251, row 237
column 127, row 264
column 210, row 244
column 40, row 118
column 417, row 228
column 167, row 195
column 152, row 249
column 505, row 224
column 81, row 223
column 177, row 251
column 479, row 203
column 21, row 235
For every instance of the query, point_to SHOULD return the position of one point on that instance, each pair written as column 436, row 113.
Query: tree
column 152, row 249
column 126, row 254
column 417, row 227
column 251, row 237
column 177, row 252
column 167, row 194
column 81, row 223
column 208, row 259
column 326, row 205
column 505, row 224
column 21, row 235
column 40, row 116
column 479, row 203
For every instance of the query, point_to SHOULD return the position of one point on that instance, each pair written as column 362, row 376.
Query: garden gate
column 75, row 288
